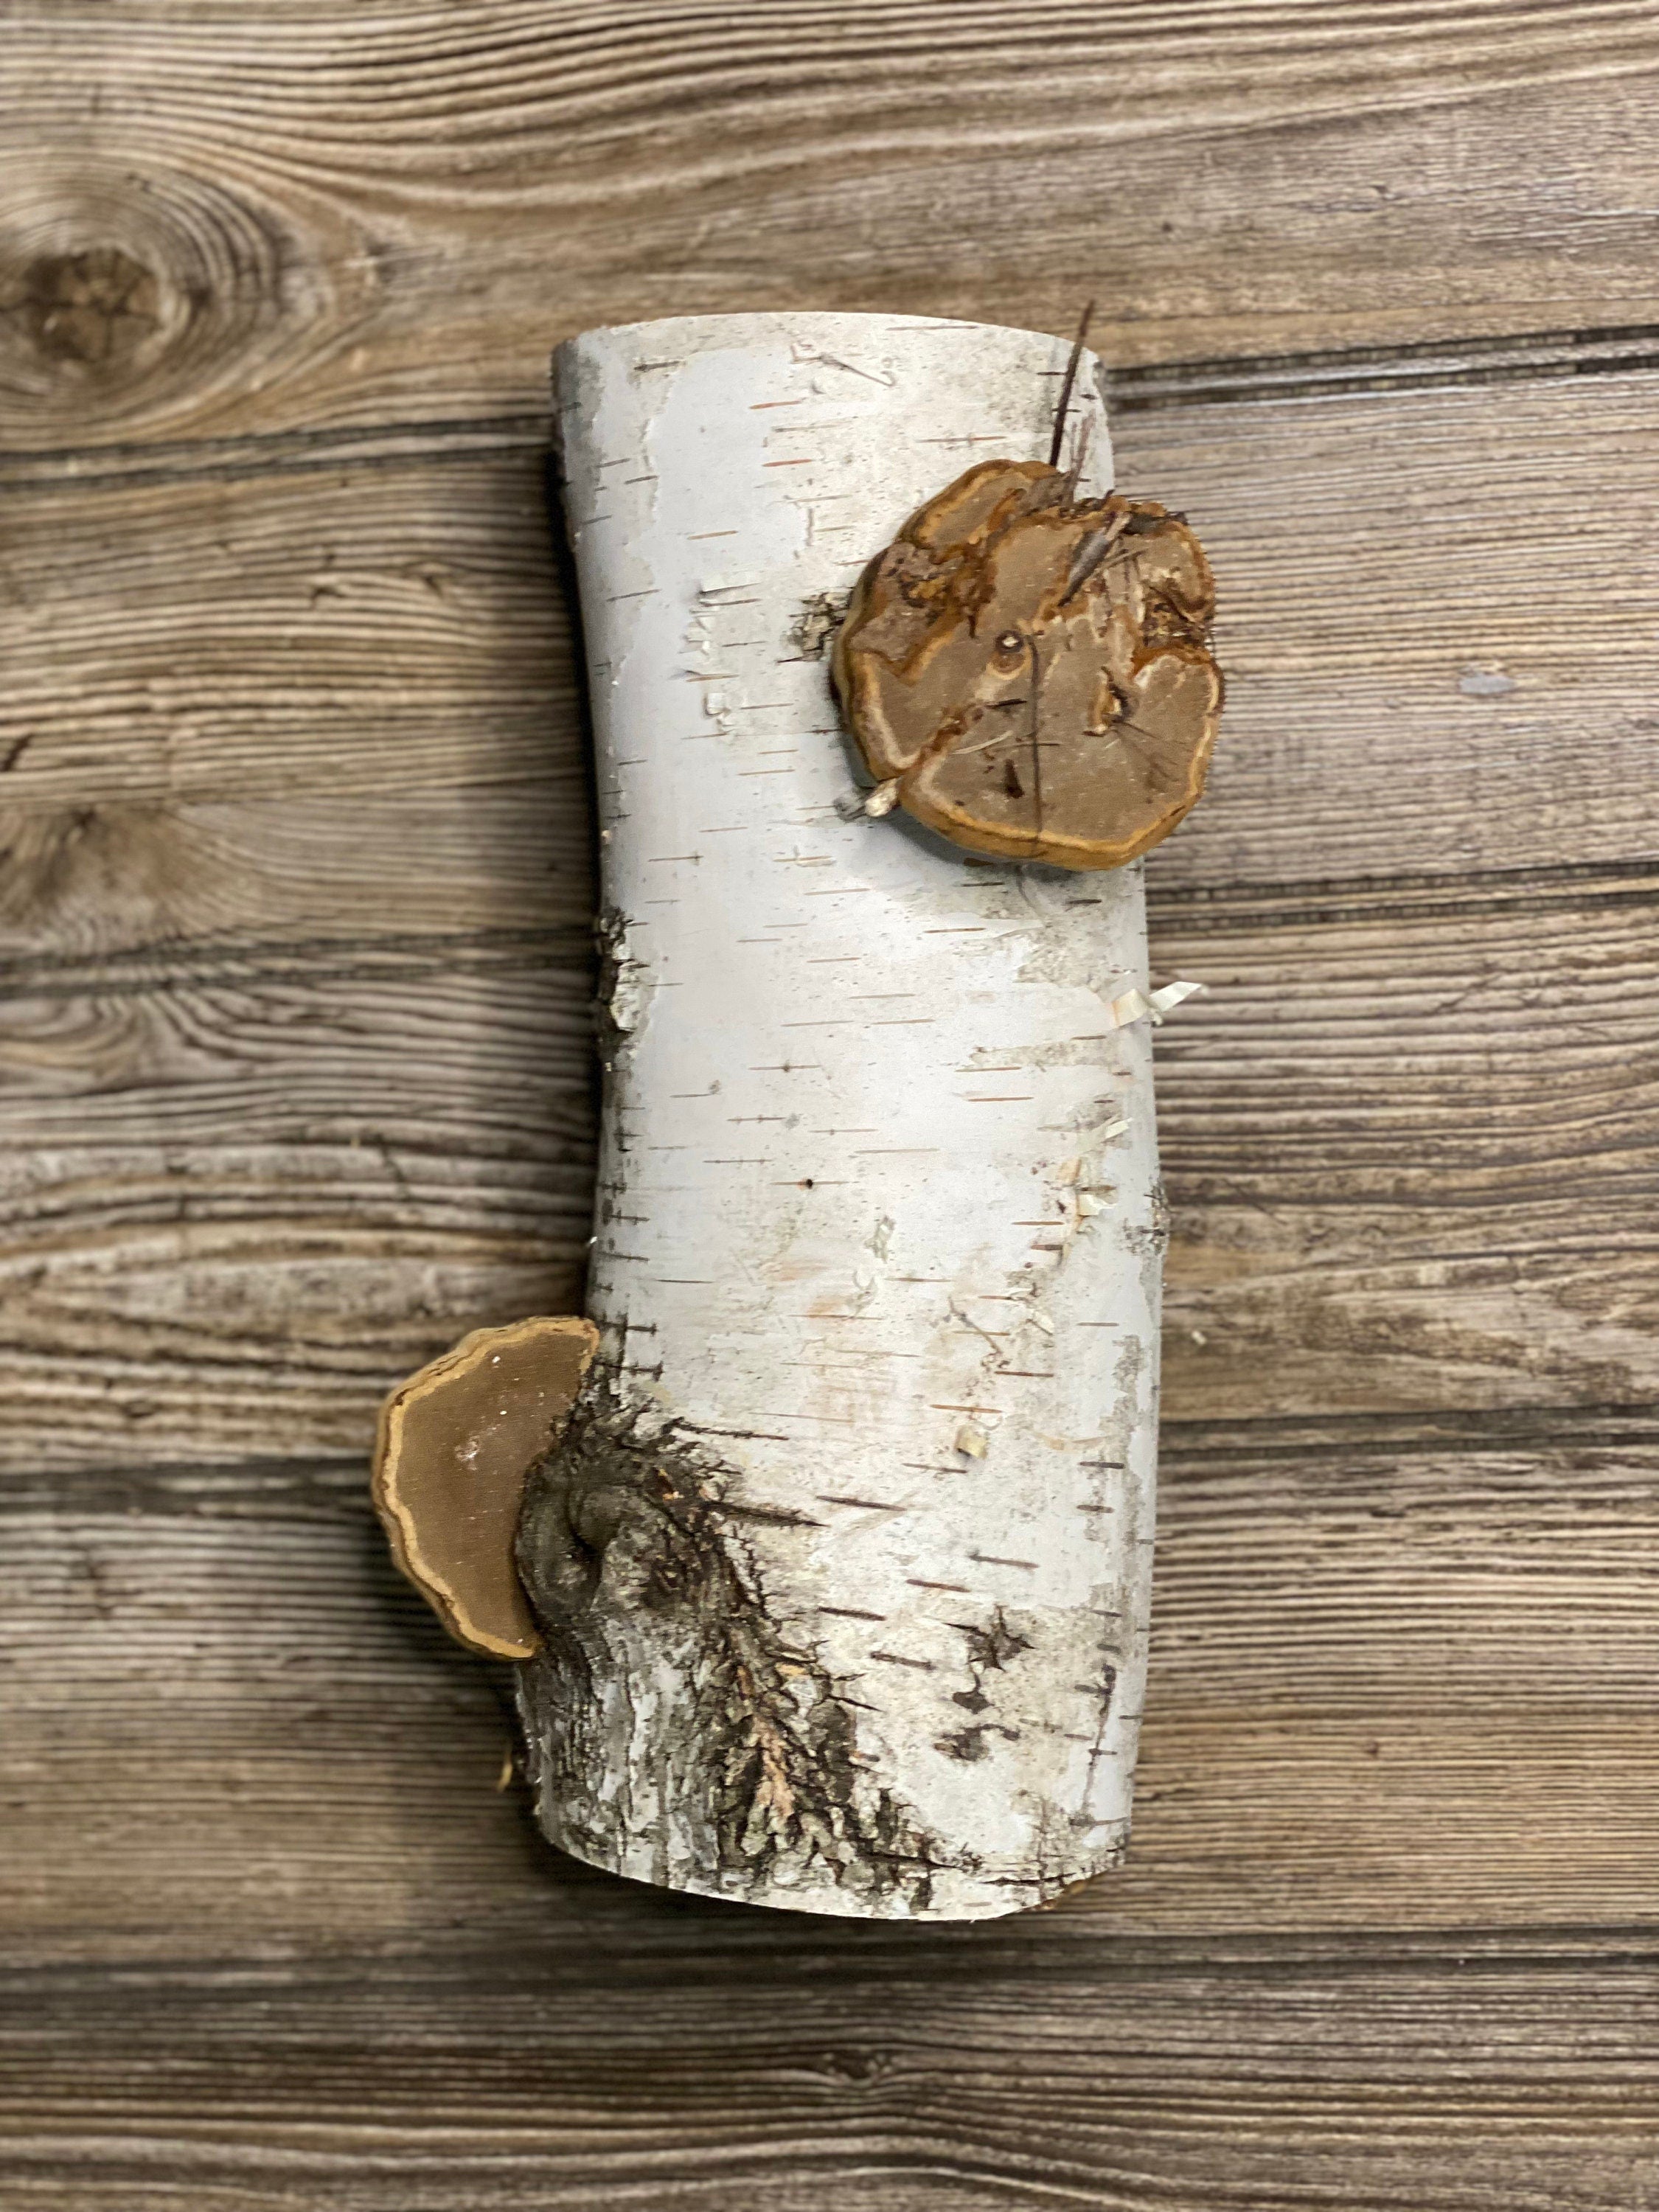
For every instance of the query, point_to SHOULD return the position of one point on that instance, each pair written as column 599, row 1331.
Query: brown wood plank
column 1411, row 1153
column 379, row 631
column 244, row 1197
column 294, row 1086
column 371, row 719
column 1493, row 2082
column 1409, row 1149
column 1439, row 620
column 1400, row 1679
column 328, row 932
column 331, row 216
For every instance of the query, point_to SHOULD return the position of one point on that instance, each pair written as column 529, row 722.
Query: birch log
column 842, row 1569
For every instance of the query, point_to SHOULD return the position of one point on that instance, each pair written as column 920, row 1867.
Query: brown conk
column 1029, row 675
column 455, row 1448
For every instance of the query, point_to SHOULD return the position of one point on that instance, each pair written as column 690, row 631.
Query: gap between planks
column 319, row 1484
column 404, row 955
column 1339, row 372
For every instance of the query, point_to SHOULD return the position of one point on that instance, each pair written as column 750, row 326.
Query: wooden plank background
column 294, row 1087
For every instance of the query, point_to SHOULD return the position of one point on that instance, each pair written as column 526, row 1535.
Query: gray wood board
column 295, row 1087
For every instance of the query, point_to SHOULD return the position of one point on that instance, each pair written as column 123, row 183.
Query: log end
column 452, row 1454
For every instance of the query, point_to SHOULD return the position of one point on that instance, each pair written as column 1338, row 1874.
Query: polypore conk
column 1029, row 674
column 837, row 1572
column 455, row 1447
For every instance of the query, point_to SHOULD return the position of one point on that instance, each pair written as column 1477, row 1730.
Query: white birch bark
column 845, row 1569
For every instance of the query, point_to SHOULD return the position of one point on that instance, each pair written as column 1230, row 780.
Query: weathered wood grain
column 370, row 720
column 343, row 217
column 1402, row 1678
column 244, row 1195
column 295, row 890
column 1411, row 1155
column 298, row 880
column 1410, row 1151
column 1503, row 2079
column 1436, row 609
column 372, row 632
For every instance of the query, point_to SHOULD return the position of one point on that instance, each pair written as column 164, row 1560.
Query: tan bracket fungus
column 454, row 1450
column 1029, row 675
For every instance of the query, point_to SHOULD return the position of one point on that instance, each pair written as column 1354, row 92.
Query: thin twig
column 1074, row 474
column 1059, row 437
column 1090, row 554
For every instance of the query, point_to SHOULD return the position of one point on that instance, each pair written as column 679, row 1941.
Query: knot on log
column 670, row 1715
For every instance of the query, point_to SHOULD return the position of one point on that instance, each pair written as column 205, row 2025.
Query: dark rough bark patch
column 670, row 1716
column 1151, row 1239
column 990, row 1648
column 994, row 1645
